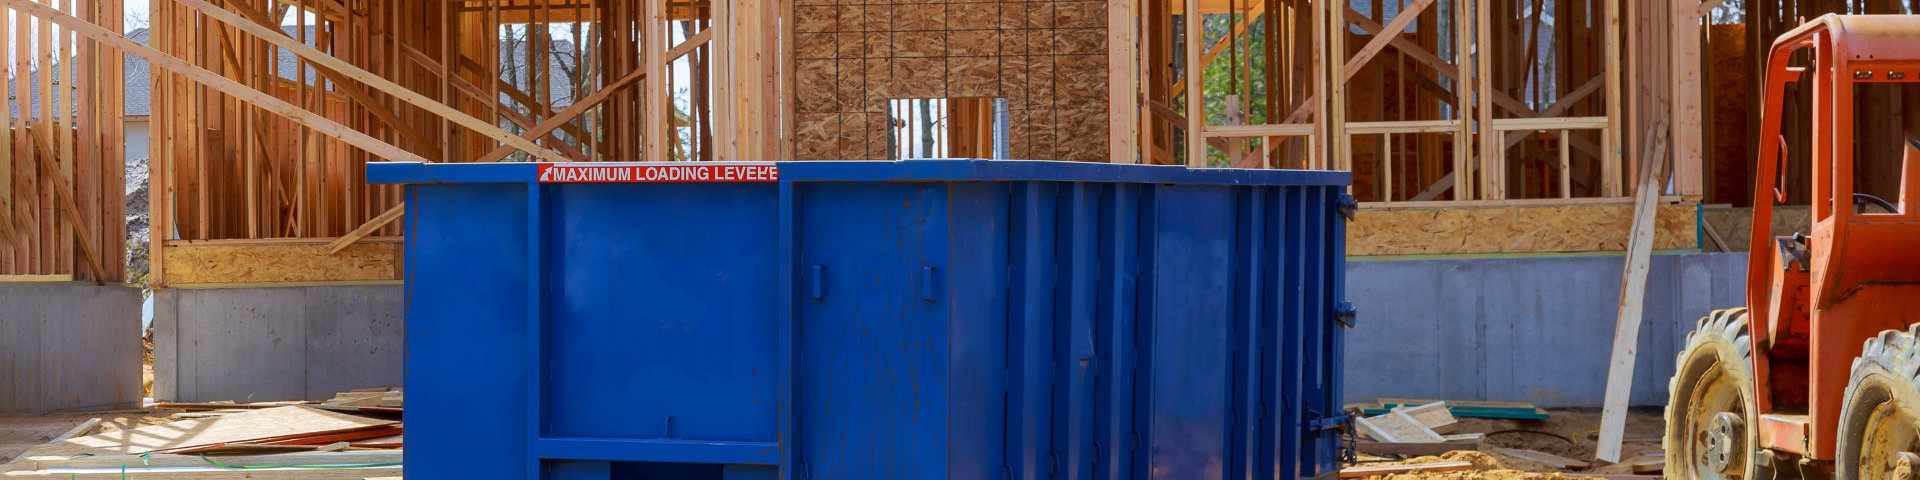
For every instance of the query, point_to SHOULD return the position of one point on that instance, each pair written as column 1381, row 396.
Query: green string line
column 322, row 467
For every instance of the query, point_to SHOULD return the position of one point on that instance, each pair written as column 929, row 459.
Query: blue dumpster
column 937, row 319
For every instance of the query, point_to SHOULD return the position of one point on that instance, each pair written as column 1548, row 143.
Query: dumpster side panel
column 978, row 304
column 1114, row 330
column 872, row 337
column 1286, row 420
column 659, row 328
column 1031, row 274
column 1076, row 296
column 1188, row 374
column 466, row 360
column 1330, row 251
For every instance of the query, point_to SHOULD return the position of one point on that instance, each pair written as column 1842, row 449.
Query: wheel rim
column 1716, row 429
column 1890, row 445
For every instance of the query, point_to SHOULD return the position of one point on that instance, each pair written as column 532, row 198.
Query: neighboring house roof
column 138, row 76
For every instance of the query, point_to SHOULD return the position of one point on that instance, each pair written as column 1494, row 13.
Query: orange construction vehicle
column 1816, row 377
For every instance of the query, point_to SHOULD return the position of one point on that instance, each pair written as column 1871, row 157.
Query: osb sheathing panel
column 1449, row 231
column 1735, row 225
column 197, row 263
column 1046, row 57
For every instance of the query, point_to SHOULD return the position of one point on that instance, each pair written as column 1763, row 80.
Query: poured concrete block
column 69, row 346
column 277, row 343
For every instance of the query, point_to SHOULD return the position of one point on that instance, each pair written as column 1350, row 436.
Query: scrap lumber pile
column 1414, row 430
column 332, row 439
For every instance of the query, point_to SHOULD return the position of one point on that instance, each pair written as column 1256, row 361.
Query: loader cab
column 1851, row 155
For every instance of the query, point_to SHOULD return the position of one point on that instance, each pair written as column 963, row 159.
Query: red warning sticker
column 657, row 172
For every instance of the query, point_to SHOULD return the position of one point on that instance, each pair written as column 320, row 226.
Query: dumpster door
column 872, row 375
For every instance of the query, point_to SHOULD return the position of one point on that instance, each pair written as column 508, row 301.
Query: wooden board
column 1413, row 449
column 1527, row 229
column 283, row 261
column 1380, row 470
column 1542, row 457
column 1397, row 427
column 1464, row 408
column 227, row 428
column 1633, row 292
column 1433, row 415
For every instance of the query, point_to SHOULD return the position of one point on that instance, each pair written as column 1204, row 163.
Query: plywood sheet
column 271, row 422
column 268, row 261
column 1048, row 59
column 1735, row 225
column 1527, row 229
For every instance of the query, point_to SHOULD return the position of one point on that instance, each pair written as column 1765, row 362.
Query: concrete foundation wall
column 69, row 347
column 1534, row 330
column 277, row 343
column 1523, row 329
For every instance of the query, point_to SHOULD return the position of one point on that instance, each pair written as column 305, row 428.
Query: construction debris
column 229, row 440
column 1398, row 427
column 1412, row 449
column 1376, row 470
column 1648, row 465
column 1543, row 457
column 1464, row 409
column 1434, row 415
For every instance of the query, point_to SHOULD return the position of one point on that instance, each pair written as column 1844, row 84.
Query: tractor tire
column 1711, row 410
column 1881, row 414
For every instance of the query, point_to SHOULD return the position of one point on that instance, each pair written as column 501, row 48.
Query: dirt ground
column 1644, row 428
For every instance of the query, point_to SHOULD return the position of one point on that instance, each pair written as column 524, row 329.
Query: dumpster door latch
column 1346, row 206
column 816, row 283
column 929, row 275
column 1344, row 313
column 1328, row 423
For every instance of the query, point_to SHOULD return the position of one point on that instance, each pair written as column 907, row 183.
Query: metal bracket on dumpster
column 1344, row 314
column 1328, row 423
column 1347, row 206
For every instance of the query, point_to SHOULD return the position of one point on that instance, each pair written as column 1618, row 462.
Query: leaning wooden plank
column 367, row 228
column 1633, row 291
column 1397, row 427
column 1542, row 457
column 1379, row 470
column 274, row 36
column 214, row 80
column 1412, row 449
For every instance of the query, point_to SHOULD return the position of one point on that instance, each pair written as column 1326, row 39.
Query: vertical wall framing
column 1430, row 100
column 61, row 174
